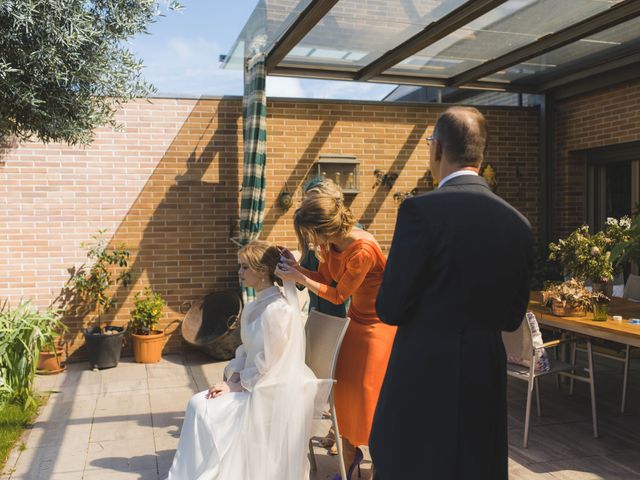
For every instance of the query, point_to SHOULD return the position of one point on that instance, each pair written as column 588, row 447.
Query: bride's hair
column 319, row 217
column 261, row 256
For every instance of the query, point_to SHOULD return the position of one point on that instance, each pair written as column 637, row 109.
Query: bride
column 257, row 424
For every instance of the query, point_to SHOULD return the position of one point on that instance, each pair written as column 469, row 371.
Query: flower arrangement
column 147, row 311
column 571, row 293
column 584, row 255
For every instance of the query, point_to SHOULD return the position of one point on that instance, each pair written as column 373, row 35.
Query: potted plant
column 147, row 342
column 587, row 256
column 51, row 358
column 567, row 299
column 91, row 284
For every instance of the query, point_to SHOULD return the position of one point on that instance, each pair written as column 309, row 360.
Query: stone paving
column 124, row 423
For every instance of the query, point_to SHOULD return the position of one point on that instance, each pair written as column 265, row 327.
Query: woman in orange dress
column 352, row 258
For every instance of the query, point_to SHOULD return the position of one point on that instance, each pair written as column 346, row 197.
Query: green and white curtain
column 254, row 114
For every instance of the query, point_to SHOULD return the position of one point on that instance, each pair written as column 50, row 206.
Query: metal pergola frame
column 375, row 70
column 576, row 77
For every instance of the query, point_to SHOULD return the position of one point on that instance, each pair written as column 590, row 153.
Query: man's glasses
column 430, row 139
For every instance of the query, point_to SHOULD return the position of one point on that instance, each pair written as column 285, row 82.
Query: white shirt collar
column 457, row 173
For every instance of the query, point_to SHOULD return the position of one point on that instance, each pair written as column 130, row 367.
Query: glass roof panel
column 356, row 32
column 605, row 44
column 512, row 25
column 269, row 20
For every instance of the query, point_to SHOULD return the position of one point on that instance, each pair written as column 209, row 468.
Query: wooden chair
column 324, row 338
column 523, row 344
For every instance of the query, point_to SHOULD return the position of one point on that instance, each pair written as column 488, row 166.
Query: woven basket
column 566, row 311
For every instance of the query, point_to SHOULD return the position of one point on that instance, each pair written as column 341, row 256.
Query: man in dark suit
column 457, row 275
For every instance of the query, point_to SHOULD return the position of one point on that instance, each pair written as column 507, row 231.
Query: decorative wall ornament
column 489, row 174
column 400, row 197
column 386, row 179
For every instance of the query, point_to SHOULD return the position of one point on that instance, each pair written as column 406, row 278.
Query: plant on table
column 571, row 293
column 627, row 249
column 585, row 255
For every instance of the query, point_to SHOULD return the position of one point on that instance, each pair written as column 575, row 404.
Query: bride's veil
column 277, row 423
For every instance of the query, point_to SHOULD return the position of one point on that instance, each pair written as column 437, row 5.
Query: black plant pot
column 104, row 349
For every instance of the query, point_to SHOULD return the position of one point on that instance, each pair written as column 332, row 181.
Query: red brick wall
column 606, row 117
column 168, row 185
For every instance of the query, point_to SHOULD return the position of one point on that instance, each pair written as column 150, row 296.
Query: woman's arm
column 358, row 265
column 287, row 258
column 237, row 363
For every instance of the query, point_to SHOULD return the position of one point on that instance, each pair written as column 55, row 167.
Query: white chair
column 526, row 344
column 632, row 288
column 324, row 338
column 631, row 292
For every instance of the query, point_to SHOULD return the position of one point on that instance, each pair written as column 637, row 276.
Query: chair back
column 632, row 288
column 518, row 344
column 324, row 338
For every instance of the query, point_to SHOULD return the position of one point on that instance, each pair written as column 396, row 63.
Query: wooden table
column 616, row 331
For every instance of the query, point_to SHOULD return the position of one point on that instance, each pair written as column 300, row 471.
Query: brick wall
column 603, row 118
column 168, row 185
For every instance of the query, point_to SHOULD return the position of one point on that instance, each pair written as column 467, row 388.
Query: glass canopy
column 600, row 46
column 489, row 44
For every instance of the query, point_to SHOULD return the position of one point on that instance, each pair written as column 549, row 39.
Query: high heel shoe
column 357, row 460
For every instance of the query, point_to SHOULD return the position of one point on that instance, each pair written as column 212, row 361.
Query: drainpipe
column 547, row 163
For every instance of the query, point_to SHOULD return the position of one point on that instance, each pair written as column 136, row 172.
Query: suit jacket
column 457, row 275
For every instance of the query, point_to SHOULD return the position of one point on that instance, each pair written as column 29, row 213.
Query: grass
column 13, row 420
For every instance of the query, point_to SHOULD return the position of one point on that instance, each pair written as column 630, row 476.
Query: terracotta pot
column 148, row 348
column 49, row 364
column 566, row 311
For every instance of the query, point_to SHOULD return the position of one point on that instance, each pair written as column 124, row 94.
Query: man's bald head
column 462, row 133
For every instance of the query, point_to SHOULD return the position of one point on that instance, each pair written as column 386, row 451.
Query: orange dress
column 365, row 351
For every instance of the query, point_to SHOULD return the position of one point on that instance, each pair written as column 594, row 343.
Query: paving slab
column 124, row 423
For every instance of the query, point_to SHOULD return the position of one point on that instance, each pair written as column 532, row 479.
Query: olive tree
column 65, row 67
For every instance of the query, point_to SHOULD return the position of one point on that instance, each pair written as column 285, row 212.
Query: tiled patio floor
column 124, row 423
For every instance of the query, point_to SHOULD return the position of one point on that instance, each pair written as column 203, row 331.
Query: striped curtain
column 254, row 115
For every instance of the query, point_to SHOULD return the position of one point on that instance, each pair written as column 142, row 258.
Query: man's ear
column 437, row 151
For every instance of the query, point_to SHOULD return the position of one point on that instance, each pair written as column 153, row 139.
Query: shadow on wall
column 178, row 228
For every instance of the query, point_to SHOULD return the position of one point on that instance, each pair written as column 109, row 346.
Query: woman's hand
column 287, row 258
column 289, row 273
column 222, row 388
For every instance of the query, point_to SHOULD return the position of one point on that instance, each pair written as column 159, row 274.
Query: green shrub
column 147, row 311
column 24, row 332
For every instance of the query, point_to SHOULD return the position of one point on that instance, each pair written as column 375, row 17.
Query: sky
column 181, row 51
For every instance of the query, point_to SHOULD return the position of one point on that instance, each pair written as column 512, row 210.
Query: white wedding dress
column 261, row 433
